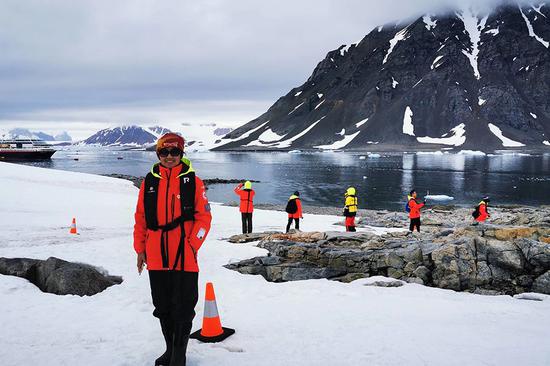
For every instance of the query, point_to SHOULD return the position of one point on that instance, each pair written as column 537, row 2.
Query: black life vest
column 187, row 202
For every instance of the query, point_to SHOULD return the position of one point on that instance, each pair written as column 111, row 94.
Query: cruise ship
column 25, row 149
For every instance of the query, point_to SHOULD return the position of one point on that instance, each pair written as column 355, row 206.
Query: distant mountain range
column 126, row 136
column 22, row 133
column 197, row 137
column 463, row 80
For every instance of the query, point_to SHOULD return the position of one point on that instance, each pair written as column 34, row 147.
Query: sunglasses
column 164, row 152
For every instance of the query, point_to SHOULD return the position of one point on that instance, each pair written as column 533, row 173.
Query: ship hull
column 16, row 154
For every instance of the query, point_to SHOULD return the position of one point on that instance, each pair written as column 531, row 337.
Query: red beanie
column 170, row 140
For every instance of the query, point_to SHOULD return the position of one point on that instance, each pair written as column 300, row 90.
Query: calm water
column 321, row 178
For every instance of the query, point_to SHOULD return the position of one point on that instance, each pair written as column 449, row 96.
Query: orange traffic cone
column 212, row 330
column 73, row 227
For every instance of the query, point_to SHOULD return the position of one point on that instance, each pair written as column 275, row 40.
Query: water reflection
column 323, row 177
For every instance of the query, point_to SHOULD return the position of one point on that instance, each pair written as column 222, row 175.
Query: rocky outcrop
column 486, row 259
column 59, row 277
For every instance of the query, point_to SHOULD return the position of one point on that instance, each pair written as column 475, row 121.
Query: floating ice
column 439, row 197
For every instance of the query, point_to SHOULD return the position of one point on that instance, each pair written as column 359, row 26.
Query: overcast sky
column 79, row 65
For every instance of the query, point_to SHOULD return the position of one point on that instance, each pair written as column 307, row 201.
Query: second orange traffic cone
column 73, row 227
column 212, row 330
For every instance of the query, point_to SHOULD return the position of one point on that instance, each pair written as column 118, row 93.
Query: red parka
column 298, row 213
column 483, row 214
column 247, row 198
column 414, row 208
column 168, row 209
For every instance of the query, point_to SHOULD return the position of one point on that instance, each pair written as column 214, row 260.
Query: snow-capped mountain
column 23, row 133
column 126, row 136
column 464, row 80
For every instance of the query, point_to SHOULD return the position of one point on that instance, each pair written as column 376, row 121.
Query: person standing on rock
column 481, row 214
column 246, row 207
column 172, row 220
column 413, row 208
column 294, row 210
column 350, row 209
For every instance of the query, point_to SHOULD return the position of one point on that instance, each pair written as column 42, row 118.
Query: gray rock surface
column 503, row 258
column 59, row 277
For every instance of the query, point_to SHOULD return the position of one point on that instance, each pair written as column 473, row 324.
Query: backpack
column 476, row 213
column 291, row 206
column 407, row 207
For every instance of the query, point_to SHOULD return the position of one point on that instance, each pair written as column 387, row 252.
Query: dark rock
column 59, row 277
column 385, row 284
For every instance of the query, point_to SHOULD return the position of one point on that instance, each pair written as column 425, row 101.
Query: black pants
column 175, row 294
column 247, row 222
column 296, row 224
column 415, row 223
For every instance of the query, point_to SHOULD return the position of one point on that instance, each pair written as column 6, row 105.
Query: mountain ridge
column 455, row 81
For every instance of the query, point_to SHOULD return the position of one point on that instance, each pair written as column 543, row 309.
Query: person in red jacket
column 414, row 212
column 294, row 210
column 481, row 214
column 172, row 220
column 246, row 195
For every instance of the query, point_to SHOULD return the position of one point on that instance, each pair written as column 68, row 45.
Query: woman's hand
column 141, row 261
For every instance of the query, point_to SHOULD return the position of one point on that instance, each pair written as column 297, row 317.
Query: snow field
column 315, row 322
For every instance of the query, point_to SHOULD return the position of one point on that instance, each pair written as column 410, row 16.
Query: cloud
column 83, row 55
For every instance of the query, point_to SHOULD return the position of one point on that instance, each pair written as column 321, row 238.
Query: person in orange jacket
column 414, row 212
column 294, row 210
column 172, row 220
column 246, row 207
column 481, row 214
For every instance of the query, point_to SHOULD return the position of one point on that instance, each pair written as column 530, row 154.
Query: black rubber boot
column 166, row 327
column 179, row 348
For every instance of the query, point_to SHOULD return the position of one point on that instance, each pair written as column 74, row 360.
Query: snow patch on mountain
column 429, row 22
column 394, row 82
column 248, row 133
column 473, row 27
column 481, row 101
column 298, row 94
column 458, row 137
column 533, row 115
column 435, row 63
column 547, row 143
column 339, row 144
column 506, row 142
column 295, row 108
column 361, row 122
column 408, row 128
column 287, row 143
column 399, row 36
column 318, row 105
column 531, row 30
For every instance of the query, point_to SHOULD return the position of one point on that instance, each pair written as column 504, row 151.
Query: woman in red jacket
column 481, row 214
column 172, row 221
column 414, row 212
column 294, row 210
column 246, row 195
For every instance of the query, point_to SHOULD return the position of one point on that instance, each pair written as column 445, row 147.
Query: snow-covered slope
column 315, row 322
column 416, row 82
column 22, row 133
column 126, row 136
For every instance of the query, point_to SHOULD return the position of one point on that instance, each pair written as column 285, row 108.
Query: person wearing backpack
column 172, row 220
column 413, row 208
column 246, row 207
column 294, row 210
column 350, row 208
column 480, row 213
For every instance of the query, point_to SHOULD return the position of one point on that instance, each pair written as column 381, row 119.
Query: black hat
column 297, row 193
column 486, row 199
